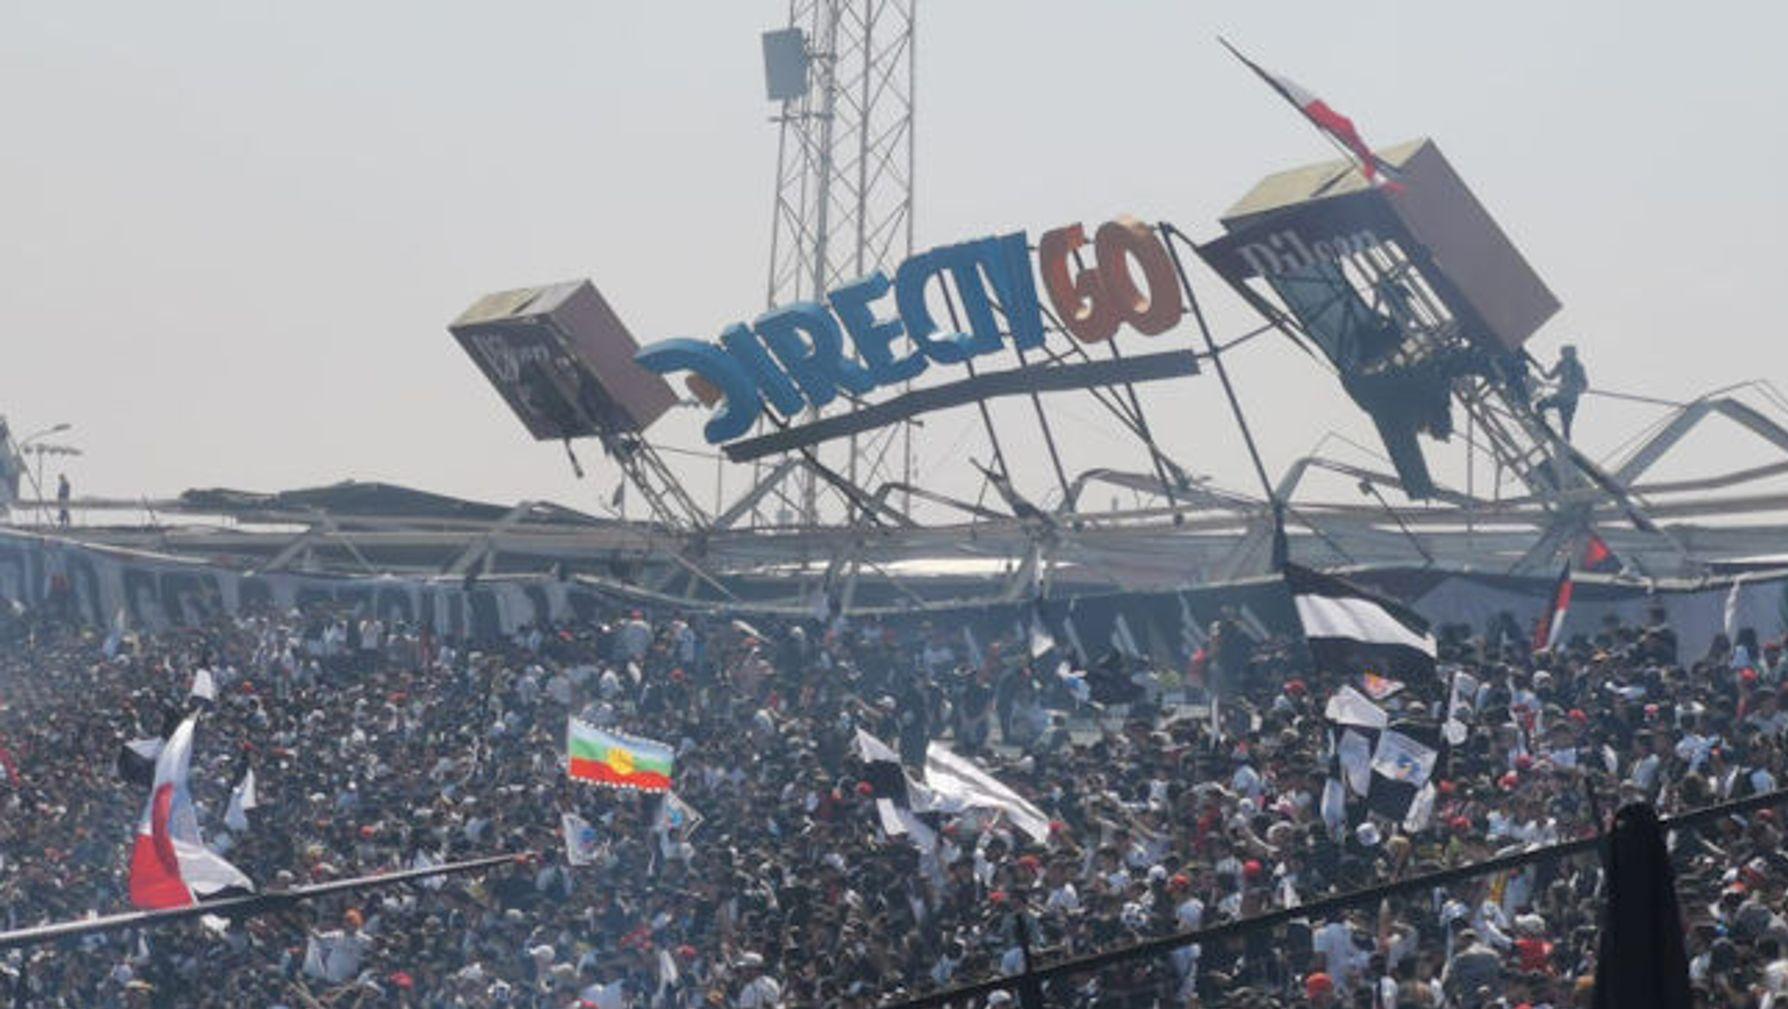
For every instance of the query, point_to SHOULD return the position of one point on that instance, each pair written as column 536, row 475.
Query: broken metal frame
column 1219, row 534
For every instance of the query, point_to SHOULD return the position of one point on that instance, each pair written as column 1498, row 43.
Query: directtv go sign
column 794, row 357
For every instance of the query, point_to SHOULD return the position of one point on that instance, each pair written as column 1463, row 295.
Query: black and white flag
column 1403, row 765
column 954, row 782
column 1388, row 764
column 898, row 798
column 136, row 760
column 1354, row 632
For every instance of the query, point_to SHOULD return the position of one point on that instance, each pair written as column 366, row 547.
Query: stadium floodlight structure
column 843, row 75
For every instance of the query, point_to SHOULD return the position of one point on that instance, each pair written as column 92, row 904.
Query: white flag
column 1401, row 758
column 333, row 956
column 1334, row 806
column 674, row 813
column 1350, row 707
column 1040, row 639
column 959, row 781
column 242, row 799
column 1356, row 761
column 115, row 638
column 1731, row 622
column 1461, row 705
column 580, row 839
column 203, row 686
column 1421, row 809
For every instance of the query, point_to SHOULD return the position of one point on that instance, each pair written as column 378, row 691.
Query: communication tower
column 842, row 75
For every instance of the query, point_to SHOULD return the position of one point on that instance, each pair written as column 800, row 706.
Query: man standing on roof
column 1572, row 381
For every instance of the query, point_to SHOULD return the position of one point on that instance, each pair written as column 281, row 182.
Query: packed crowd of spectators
column 376, row 747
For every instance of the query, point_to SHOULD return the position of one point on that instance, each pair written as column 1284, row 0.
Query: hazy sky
column 235, row 231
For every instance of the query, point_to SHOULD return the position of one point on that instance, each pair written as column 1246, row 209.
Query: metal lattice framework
column 844, row 178
column 1219, row 535
column 1382, row 281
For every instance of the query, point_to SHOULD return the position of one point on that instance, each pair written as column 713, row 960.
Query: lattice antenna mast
column 844, row 172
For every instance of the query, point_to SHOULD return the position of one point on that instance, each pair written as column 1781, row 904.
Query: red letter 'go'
column 1095, row 303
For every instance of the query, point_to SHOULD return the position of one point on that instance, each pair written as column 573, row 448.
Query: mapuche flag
column 170, row 865
column 616, row 760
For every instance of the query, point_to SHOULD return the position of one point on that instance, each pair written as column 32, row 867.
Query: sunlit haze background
column 234, row 232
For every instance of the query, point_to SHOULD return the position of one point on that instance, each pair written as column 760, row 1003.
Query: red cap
column 1445, row 786
column 1509, row 781
column 997, row 897
column 1251, row 869
column 1461, row 824
column 865, row 789
column 1180, row 881
column 1031, row 862
column 1579, row 716
column 402, row 979
column 1747, row 675
column 1318, row 984
column 1295, row 688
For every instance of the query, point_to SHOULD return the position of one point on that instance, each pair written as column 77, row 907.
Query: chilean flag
column 170, row 865
column 1551, row 625
column 1325, row 119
